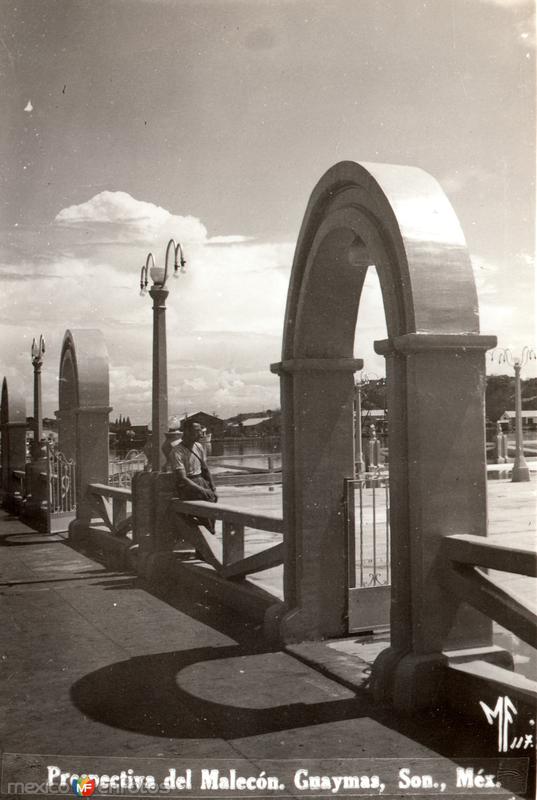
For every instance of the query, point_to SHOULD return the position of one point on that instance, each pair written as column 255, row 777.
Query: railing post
column 119, row 510
column 232, row 542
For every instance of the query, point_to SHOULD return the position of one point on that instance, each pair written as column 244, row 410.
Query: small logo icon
column 83, row 786
column 503, row 711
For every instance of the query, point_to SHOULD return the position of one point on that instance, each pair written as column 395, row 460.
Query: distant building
column 213, row 424
column 374, row 416
column 260, row 423
column 529, row 419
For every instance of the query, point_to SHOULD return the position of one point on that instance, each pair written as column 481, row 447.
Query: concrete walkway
column 95, row 665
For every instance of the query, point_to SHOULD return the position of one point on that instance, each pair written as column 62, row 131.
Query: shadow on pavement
column 249, row 689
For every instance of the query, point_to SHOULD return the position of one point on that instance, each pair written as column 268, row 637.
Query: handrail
column 482, row 552
column 119, row 522
column 265, row 522
column 104, row 490
column 466, row 556
column 232, row 562
column 244, row 456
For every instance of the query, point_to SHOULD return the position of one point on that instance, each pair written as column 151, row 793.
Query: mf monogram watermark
column 503, row 714
column 503, row 711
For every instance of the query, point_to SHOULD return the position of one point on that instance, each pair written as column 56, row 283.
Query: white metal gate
column 61, row 499
column 367, row 519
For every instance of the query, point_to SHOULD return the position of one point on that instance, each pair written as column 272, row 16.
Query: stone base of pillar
column 296, row 627
column 417, row 682
column 156, row 567
column 34, row 513
column 383, row 673
column 520, row 474
column 12, row 502
column 301, row 625
column 272, row 623
column 412, row 682
column 78, row 531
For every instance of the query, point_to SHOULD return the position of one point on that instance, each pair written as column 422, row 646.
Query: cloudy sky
column 126, row 122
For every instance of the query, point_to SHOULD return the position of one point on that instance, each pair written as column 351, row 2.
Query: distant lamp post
column 38, row 351
column 159, row 293
column 359, row 385
column 521, row 471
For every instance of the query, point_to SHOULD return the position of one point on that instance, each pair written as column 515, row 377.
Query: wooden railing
column 111, row 504
column 228, row 557
column 465, row 554
column 20, row 477
column 226, row 554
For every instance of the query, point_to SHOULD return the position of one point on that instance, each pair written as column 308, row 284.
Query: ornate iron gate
column 61, row 499
column 367, row 521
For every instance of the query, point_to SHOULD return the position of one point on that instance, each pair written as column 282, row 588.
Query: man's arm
column 205, row 471
column 183, row 480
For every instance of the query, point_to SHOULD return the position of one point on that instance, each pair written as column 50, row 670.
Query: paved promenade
column 95, row 664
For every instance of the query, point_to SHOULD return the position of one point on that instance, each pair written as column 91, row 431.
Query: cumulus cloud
column 459, row 179
column 124, row 218
column 197, row 384
column 224, row 317
column 229, row 239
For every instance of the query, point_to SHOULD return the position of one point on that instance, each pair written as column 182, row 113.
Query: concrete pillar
column 316, row 557
column 13, row 425
column 67, row 432
column 83, row 413
column 445, row 490
column 14, row 434
column 91, row 454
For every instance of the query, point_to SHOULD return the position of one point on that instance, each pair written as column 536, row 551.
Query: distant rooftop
column 526, row 414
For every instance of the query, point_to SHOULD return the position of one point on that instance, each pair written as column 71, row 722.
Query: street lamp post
column 159, row 293
column 363, row 380
column 358, row 454
column 521, row 471
column 38, row 351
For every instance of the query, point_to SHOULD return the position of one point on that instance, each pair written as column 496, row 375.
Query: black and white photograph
column 268, row 424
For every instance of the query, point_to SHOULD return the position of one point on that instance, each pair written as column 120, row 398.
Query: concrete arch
column 13, row 426
column 83, row 399
column 399, row 219
column 13, row 408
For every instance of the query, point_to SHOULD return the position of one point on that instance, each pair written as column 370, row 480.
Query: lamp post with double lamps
column 38, row 351
column 159, row 293
column 521, row 471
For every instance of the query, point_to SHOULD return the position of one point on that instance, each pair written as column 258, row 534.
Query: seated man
column 187, row 460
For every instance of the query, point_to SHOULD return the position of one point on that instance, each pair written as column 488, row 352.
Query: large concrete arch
column 13, row 426
column 83, row 399
column 399, row 219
